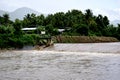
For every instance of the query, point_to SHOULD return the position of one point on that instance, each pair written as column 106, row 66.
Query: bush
column 15, row 42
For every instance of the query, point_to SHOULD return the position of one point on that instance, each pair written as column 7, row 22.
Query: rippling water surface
column 55, row 65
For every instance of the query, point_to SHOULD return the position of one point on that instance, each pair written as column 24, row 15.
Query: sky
column 110, row 8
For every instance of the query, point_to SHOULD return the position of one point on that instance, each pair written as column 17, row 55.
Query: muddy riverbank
column 83, row 39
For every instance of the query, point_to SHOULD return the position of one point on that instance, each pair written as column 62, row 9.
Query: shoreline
column 113, row 48
column 86, row 47
column 84, row 39
column 106, row 48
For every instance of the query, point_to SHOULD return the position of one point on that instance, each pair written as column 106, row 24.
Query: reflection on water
column 49, row 65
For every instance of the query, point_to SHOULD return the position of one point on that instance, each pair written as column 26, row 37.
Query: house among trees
column 29, row 30
column 33, row 30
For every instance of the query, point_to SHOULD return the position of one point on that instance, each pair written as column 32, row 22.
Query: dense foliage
column 75, row 23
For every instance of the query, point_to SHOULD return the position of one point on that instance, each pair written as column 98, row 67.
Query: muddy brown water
column 87, row 47
column 60, row 65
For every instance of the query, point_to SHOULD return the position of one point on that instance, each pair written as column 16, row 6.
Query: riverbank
column 83, row 39
column 113, row 47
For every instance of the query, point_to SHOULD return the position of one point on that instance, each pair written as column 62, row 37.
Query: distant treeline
column 75, row 23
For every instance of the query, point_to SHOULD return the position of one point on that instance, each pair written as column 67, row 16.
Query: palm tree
column 88, row 14
column 6, row 19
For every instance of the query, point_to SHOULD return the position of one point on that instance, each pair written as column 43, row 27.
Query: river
column 62, row 62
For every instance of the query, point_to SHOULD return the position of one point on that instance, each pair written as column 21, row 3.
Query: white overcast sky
column 52, row 6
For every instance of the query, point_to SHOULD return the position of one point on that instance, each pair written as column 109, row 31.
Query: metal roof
column 61, row 30
column 25, row 29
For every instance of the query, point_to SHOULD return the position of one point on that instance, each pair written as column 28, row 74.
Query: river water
column 62, row 64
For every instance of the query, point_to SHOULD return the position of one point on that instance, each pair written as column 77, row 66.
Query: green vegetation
column 75, row 23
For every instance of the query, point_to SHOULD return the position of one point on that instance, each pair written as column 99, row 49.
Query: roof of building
column 61, row 30
column 25, row 29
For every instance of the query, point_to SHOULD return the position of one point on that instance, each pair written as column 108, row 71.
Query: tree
column 49, row 20
column 105, row 21
column 33, row 21
column 59, row 20
column 88, row 15
column 118, row 31
column 29, row 20
column 17, row 26
column 6, row 19
column 82, row 29
column 1, row 20
column 49, row 29
column 73, row 17
column 40, row 19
